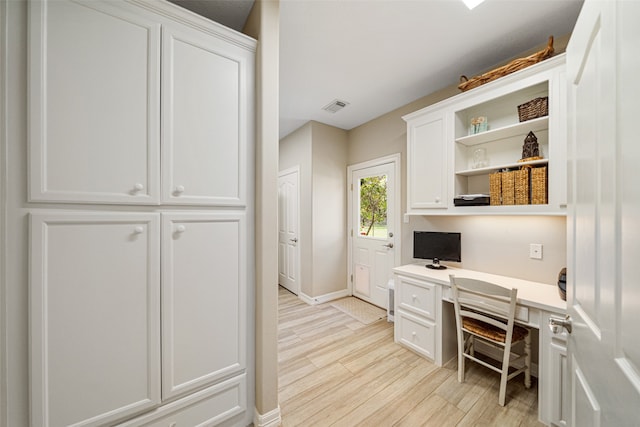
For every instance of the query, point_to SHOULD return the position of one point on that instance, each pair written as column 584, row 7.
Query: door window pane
column 373, row 206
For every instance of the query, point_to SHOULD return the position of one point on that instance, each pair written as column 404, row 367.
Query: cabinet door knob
column 138, row 229
column 413, row 334
column 181, row 228
column 138, row 187
column 437, row 199
column 179, row 189
column 414, row 296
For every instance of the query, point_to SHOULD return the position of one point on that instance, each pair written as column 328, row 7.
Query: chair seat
column 491, row 332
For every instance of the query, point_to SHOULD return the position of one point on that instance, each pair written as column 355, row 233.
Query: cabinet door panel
column 94, row 103
column 204, row 119
column 427, row 160
column 209, row 407
column 204, row 299
column 95, row 329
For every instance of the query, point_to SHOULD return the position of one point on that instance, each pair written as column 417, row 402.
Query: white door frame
column 397, row 224
column 297, row 267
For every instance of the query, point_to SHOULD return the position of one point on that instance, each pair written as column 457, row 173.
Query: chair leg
column 471, row 347
column 461, row 358
column 503, row 385
column 527, row 361
column 506, row 357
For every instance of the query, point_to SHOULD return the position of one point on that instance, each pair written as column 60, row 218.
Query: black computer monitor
column 437, row 246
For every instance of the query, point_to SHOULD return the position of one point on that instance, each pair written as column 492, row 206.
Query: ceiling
column 379, row 55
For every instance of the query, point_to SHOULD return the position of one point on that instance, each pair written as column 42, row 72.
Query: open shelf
column 521, row 128
column 491, row 169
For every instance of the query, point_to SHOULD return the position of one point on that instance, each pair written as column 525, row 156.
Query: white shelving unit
column 502, row 143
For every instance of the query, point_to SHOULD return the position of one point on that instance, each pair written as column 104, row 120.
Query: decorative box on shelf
column 538, row 107
column 524, row 186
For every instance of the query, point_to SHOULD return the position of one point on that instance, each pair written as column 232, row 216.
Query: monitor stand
column 435, row 265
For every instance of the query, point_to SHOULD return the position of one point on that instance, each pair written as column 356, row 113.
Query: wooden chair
column 485, row 311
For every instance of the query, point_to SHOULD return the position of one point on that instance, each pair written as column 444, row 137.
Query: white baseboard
column 324, row 298
column 270, row 419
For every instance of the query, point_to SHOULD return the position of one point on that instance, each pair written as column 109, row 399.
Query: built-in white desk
column 425, row 323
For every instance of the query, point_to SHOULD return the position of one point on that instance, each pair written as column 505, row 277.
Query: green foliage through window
column 373, row 206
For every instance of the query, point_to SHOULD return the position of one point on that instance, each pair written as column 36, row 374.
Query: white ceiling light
column 472, row 3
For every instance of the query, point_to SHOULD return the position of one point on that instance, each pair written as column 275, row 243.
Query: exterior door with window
column 373, row 228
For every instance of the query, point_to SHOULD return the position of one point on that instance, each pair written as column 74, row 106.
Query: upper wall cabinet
column 441, row 140
column 427, row 161
column 204, row 117
column 94, row 103
column 99, row 109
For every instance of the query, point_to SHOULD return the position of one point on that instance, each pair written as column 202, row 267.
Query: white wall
column 263, row 24
column 329, row 209
column 15, row 312
column 321, row 153
column 295, row 150
column 499, row 244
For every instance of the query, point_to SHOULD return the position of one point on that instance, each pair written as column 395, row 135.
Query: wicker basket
column 495, row 189
column 539, row 186
column 508, row 188
column 521, row 186
column 513, row 66
column 533, row 109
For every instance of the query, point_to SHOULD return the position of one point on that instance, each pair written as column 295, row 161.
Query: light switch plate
column 535, row 250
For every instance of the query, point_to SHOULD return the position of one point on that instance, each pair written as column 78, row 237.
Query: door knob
column 556, row 324
column 294, row 240
column 388, row 245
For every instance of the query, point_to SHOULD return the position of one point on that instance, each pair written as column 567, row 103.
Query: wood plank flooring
column 336, row 371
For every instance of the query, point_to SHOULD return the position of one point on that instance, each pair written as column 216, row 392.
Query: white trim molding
column 3, row 209
column 324, row 298
column 270, row 419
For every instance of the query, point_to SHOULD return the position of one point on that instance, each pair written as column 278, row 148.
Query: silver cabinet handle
column 556, row 324
column 294, row 240
column 388, row 245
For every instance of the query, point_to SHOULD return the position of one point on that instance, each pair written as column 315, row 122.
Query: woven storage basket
column 508, row 190
column 539, row 186
column 513, row 66
column 533, row 109
column 495, row 189
column 521, row 186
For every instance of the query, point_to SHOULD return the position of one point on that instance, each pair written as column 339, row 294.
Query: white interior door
column 374, row 210
column 288, row 230
column 603, row 296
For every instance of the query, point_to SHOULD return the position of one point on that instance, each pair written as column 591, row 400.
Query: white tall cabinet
column 133, row 208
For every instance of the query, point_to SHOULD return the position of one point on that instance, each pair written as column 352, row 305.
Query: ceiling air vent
column 335, row 106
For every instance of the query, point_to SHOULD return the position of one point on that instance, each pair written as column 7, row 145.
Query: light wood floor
column 336, row 371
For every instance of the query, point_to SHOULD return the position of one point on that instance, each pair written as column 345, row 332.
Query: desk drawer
column 416, row 333
column 418, row 297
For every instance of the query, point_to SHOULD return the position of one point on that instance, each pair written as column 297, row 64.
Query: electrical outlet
column 535, row 250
